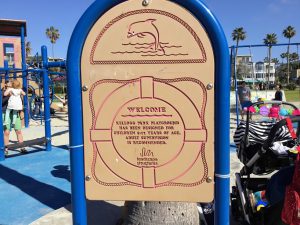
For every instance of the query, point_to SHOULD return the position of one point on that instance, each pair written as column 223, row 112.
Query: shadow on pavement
column 101, row 212
column 61, row 171
column 47, row 194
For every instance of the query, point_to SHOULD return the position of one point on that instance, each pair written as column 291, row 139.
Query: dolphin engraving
column 147, row 27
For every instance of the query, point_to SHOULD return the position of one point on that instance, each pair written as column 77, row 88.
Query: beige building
column 254, row 72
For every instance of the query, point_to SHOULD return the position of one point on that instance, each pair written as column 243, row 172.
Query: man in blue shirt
column 244, row 94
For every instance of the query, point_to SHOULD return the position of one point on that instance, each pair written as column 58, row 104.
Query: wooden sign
column 148, row 105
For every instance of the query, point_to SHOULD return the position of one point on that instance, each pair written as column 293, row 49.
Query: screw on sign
column 145, row 2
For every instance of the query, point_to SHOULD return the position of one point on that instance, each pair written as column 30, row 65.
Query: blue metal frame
column 46, row 94
column 222, row 92
column 233, row 57
column 14, row 73
column 2, row 154
column 46, row 98
column 263, row 45
column 24, row 75
column 6, row 68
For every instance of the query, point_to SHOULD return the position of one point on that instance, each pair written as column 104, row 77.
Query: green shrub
column 60, row 89
column 291, row 86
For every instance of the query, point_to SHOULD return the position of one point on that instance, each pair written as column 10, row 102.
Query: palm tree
column 282, row 56
column 270, row 40
column 53, row 34
column 294, row 57
column 289, row 32
column 238, row 34
column 28, row 48
column 275, row 60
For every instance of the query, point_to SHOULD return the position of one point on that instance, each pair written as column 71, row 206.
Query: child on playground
column 14, row 102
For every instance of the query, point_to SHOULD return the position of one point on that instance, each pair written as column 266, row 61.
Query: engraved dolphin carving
column 143, row 28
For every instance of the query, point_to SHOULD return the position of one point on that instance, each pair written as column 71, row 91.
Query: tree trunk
column 268, row 78
column 161, row 213
column 234, row 64
column 53, row 52
column 288, row 62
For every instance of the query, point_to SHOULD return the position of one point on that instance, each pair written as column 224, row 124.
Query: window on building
column 271, row 67
column 259, row 66
column 9, row 53
column 245, row 59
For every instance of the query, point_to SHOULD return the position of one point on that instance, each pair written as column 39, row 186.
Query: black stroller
column 254, row 142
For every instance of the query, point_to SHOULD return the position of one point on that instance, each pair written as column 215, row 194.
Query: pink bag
column 290, row 213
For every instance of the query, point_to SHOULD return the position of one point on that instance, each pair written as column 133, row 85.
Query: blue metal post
column 76, row 133
column 6, row 70
column 80, row 32
column 57, row 64
column 15, row 73
column 233, row 57
column 222, row 105
column 24, row 75
column 2, row 155
column 75, row 106
column 222, row 134
column 46, row 99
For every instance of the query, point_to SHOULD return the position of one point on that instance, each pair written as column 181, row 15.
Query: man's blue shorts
column 246, row 104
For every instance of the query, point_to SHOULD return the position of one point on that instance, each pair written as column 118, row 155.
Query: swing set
column 233, row 57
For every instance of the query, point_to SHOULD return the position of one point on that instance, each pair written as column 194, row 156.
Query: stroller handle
column 274, row 102
column 267, row 102
column 270, row 102
column 268, row 143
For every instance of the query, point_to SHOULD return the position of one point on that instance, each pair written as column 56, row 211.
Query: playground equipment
column 37, row 141
column 253, row 79
column 36, row 100
column 43, row 73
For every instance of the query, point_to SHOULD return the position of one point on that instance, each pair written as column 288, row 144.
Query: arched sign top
column 196, row 7
column 143, row 33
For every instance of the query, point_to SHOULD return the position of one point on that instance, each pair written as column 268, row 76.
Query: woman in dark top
column 7, row 127
column 278, row 93
column 4, row 99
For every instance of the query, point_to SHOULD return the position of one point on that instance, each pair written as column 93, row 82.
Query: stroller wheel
column 235, row 210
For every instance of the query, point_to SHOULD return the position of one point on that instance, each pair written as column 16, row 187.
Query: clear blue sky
column 258, row 17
